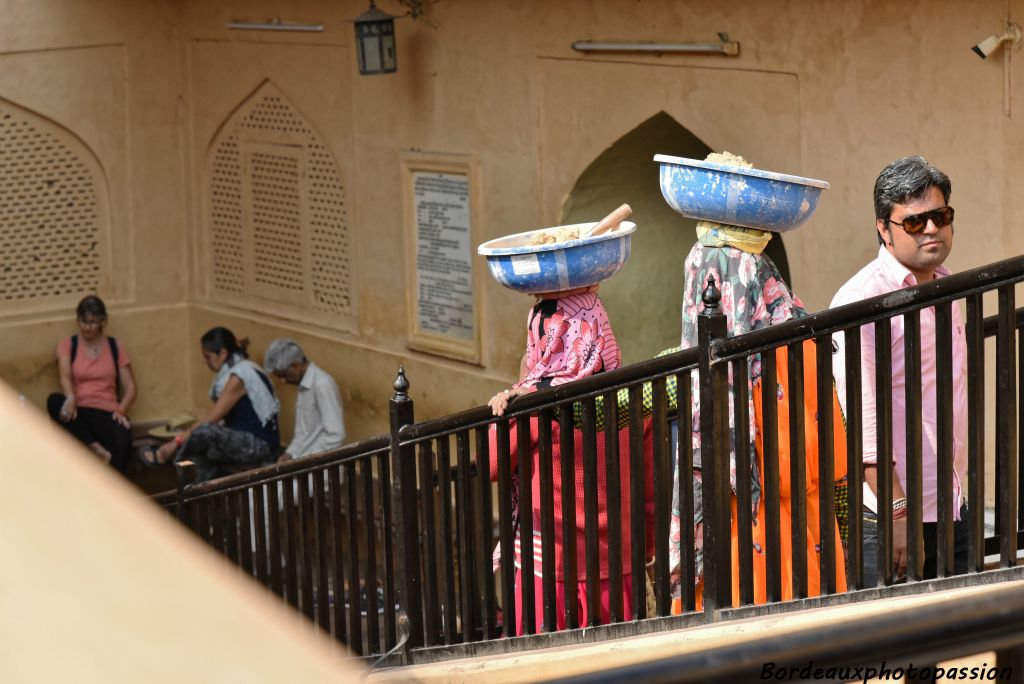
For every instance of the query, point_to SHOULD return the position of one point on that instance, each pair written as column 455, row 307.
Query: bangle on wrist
column 899, row 508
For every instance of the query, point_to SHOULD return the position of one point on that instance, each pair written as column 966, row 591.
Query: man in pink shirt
column 914, row 226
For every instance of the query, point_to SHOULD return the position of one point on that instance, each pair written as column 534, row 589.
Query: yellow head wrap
column 749, row 240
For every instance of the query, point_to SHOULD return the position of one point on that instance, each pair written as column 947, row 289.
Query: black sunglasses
column 915, row 223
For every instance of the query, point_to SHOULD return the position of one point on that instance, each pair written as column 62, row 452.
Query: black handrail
column 579, row 390
column 950, row 288
column 990, row 325
column 275, row 471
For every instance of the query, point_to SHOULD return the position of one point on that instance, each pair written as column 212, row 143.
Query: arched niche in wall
column 54, row 215
column 276, row 220
column 643, row 300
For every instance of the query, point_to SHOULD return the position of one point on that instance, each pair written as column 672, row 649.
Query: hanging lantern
column 375, row 41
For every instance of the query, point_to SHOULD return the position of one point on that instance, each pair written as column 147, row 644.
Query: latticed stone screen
column 276, row 201
column 53, row 221
column 278, row 229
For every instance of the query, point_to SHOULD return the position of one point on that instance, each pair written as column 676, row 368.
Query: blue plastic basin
column 555, row 267
column 736, row 196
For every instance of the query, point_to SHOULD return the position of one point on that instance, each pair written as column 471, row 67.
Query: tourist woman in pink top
column 96, row 376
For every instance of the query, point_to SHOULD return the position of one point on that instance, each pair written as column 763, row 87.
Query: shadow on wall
column 643, row 300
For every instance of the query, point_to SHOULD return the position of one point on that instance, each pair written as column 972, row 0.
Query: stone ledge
column 567, row 661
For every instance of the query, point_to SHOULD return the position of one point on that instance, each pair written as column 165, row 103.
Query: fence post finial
column 401, row 386
column 711, row 297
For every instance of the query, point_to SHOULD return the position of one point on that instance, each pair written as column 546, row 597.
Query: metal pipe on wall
column 728, row 48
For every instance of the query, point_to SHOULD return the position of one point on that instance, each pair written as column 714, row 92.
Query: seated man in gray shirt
column 319, row 423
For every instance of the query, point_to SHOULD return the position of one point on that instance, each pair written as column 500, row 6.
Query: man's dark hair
column 905, row 179
column 91, row 306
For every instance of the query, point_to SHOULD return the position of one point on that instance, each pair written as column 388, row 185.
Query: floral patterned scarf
column 754, row 296
column 568, row 339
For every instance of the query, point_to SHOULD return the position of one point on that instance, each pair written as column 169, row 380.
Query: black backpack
column 113, row 352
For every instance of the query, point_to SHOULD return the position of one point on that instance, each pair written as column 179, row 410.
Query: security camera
column 988, row 46
column 992, row 43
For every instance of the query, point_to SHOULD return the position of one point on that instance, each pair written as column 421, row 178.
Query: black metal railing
column 314, row 531
column 470, row 553
column 387, row 543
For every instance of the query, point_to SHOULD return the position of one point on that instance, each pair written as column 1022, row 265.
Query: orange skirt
column 759, row 569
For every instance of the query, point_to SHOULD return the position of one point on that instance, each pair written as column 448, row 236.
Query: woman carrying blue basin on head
column 753, row 296
column 569, row 337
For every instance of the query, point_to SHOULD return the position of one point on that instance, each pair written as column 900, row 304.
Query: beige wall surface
column 831, row 91
column 107, row 74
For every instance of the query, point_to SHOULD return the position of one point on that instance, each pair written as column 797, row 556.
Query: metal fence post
column 714, row 454
column 186, row 476
column 404, row 522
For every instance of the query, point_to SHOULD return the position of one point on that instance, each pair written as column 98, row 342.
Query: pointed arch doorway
column 644, row 299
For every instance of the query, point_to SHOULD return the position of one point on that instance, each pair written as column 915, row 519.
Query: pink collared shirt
column 883, row 275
